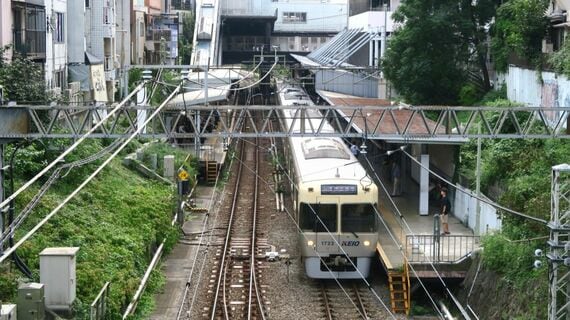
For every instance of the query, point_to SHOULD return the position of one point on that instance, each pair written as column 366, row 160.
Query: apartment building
column 138, row 31
column 37, row 29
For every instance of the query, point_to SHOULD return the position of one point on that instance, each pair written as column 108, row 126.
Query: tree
column 440, row 48
column 560, row 59
column 22, row 79
column 185, row 41
column 519, row 28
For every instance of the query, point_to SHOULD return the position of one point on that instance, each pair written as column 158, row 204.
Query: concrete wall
column 6, row 24
column 372, row 19
column 138, row 31
column 346, row 82
column 465, row 209
column 76, row 36
column 523, row 86
column 56, row 52
column 330, row 16
column 124, row 32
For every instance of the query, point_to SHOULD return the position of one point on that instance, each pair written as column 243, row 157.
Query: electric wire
column 430, row 262
column 393, row 239
column 8, row 252
column 235, row 89
column 496, row 205
column 11, row 229
column 203, row 231
column 334, row 239
column 71, row 148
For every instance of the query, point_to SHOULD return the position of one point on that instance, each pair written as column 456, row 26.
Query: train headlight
column 366, row 243
column 310, row 243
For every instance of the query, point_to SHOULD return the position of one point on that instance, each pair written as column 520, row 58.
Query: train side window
column 309, row 222
column 358, row 217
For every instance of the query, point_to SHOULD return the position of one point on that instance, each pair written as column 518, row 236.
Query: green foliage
column 169, row 77
column 512, row 260
column 469, row 94
column 428, row 57
column 135, row 78
column 185, row 40
column 560, row 59
column 22, row 79
column 519, row 28
column 118, row 220
column 181, row 159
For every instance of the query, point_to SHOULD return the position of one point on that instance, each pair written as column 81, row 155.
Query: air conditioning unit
column 8, row 312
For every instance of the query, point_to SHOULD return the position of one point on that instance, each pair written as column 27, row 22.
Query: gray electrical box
column 31, row 304
column 57, row 273
column 8, row 312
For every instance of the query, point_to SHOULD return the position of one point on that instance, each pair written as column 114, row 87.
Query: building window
column 141, row 29
column 86, row 3
column 59, row 30
column 59, row 79
column 294, row 17
column 107, row 12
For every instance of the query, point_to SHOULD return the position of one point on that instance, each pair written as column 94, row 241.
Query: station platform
column 413, row 237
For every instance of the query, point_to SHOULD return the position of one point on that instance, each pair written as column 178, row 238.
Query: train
column 334, row 199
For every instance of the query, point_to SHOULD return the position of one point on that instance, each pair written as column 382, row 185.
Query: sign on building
column 98, row 83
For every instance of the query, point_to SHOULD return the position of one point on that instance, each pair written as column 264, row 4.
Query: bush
column 469, row 94
column 118, row 220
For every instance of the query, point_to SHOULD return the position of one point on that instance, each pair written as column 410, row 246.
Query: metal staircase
column 399, row 282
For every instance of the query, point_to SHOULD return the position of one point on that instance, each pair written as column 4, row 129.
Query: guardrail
column 440, row 249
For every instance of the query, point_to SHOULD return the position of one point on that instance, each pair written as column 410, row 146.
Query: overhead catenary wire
column 334, row 239
column 71, row 148
column 434, row 303
column 10, row 229
column 401, row 216
column 240, row 88
column 8, row 252
column 494, row 204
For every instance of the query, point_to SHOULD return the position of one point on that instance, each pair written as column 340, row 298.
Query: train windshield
column 310, row 222
column 360, row 217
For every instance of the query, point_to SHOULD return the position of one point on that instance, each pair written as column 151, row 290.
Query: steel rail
column 228, row 236
column 359, row 302
column 326, row 301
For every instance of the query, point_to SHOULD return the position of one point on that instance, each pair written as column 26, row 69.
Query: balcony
column 156, row 35
column 30, row 43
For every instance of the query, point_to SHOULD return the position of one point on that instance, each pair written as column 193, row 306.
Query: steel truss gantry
column 559, row 243
column 405, row 123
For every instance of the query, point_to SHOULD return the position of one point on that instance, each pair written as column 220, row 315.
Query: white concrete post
column 169, row 167
column 424, row 185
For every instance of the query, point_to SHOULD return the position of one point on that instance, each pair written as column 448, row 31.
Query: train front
column 339, row 227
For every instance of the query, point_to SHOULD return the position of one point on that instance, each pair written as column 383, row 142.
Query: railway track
column 235, row 282
column 346, row 302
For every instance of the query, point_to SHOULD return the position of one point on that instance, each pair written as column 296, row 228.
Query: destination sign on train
column 339, row 189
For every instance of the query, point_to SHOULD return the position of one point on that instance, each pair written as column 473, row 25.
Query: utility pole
column 2, row 210
column 478, row 185
column 559, row 243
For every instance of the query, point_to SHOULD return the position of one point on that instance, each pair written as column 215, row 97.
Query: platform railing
column 440, row 249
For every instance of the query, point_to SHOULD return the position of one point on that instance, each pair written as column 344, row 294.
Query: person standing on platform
column 445, row 209
column 395, row 179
